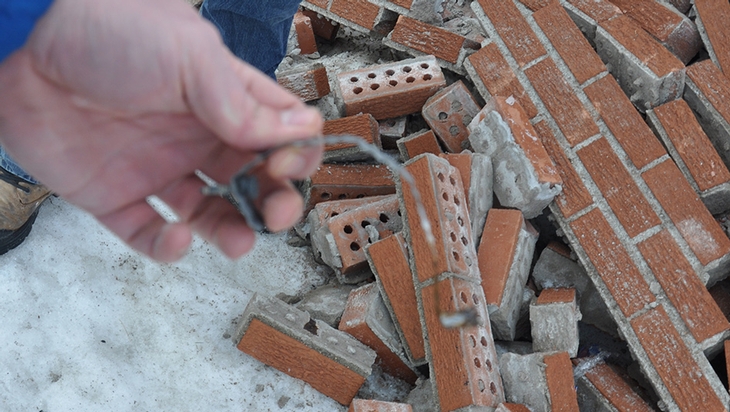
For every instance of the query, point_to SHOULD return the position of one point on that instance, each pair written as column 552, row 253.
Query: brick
column 388, row 260
column 672, row 29
column 392, row 89
column 686, row 383
column 322, row 211
column 712, row 18
column 536, row 5
column 439, row 42
column 366, row 318
column 398, row 6
column 448, row 113
column 561, row 101
column 493, row 76
column 287, row 339
column 707, row 93
column 361, row 12
column 618, row 187
column 624, row 121
column 322, row 26
column 332, row 182
column 512, row 28
column 371, row 405
column 569, row 42
column 442, row 196
column 683, row 286
column 559, row 375
column 557, row 295
column 305, row 34
column 308, row 83
column 513, row 407
column 525, row 176
column 597, row 10
column 360, row 125
column 695, row 223
column 693, row 153
column 612, row 263
column 418, row 143
column 614, row 389
column 682, row 6
column 574, row 197
column 554, row 317
column 463, row 361
column 647, row 72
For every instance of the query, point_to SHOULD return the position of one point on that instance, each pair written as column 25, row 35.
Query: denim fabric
column 8, row 164
column 17, row 18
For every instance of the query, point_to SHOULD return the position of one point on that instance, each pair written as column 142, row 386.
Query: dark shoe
column 19, row 203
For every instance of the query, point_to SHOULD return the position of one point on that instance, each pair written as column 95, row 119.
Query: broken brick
column 712, row 19
column 371, row 405
column 360, row 125
column 536, row 5
column 559, row 376
column 448, row 113
column 554, row 317
column 308, row 83
column 321, row 26
column 351, row 181
column 540, row 381
column 441, row 43
column 305, row 34
column 603, row 382
column 418, row 143
column 360, row 12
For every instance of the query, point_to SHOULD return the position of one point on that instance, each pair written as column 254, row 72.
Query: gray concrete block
column 524, row 380
column 326, row 303
column 555, row 324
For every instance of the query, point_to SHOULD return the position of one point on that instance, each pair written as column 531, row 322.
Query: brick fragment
column 712, row 18
column 398, row 6
column 307, row 83
column 695, row 223
column 683, row 286
column 685, row 383
column 624, row 121
column 536, row 5
column 370, row 405
column 448, row 113
column 360, row 125
column 612, row 263
column 418, row 143
column 392, row 89
column 618, row 187
column 561, row 101
column 388, row 260
column 408, row 35
column 569, row 42
column 554, row 317
column 512, row 407
column 606, row 387
column 366, row 318
column 693, row 153
column 352, row 181
column 559, row 376
column 322, row 26
column 360, row 12
column 588, row 14
column 540, row 381
column 305, row 34
column 512, row 27
column 287, row 339
column 492, row 76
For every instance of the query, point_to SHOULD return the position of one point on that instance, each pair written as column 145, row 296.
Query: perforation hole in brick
column 352, row 233
column 366, row 82
column 456, row 232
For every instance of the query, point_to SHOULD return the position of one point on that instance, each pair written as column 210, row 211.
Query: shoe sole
column 10, row 239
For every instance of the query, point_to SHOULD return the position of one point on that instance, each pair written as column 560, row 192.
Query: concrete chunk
column 554, row 317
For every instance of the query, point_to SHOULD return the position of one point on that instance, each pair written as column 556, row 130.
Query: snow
column 88, row 323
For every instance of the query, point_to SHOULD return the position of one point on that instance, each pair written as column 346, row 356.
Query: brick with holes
column 390, row 90
column 305, row 35
column 541, row 381
column 350, row 181
column 693, row 153
column 525, row 176
column 287, row 339
column 602, row 388
column 341, row 240
column 367, row 319
column 360, row 15
column 448, row 113
column 505, row 255
column 309, row 83
column 391, row 130
column 370, row 405
column 360, row 125
column 712, row 18
column 418, row 143
column 554, row 317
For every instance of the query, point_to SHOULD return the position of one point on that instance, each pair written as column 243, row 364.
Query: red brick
column 557, row 295
column 513, row 29
column 618, row 188
column 462, row 162
column 559, row 377
column 598, row 10
column 497, row 250
column 403, row 3
column 536, row 5
column 448, row 113
column 683, row 286
column 721, row 295
column 515, row 407
column 305, row 34
column 420, row 143
column 624, row 121
column 286, row 354
column 464, row 363
column 322, row 26
column 360, row 125
column 439, row 42
column 361, row 12
column 714, row 85
column 332, row 182
column 616, row 390
column 310, row 84
column 443, row 199
column 389, row 260
column 694, row 222
column 715, row 15
column 498, row 78
column 612, row 262
column 692, row 144
column 392, row 89
column 642, row 45
column 325, row 210
column 574, row 197
column 355, row 322
column 673, row 361
column 319, row 3
column 570, row 43
column 370, row 405
column 560, row 100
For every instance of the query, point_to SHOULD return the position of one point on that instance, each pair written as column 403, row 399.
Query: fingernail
column 299, row 117
column 291, row 164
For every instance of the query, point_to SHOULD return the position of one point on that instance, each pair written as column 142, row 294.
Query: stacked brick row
column 630, row 214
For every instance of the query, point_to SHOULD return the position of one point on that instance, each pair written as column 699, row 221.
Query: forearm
column 17, row 19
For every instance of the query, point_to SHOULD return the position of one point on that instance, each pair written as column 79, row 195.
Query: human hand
column 110, row 102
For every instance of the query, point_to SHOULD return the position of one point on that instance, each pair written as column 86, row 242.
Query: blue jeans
column 256, row 31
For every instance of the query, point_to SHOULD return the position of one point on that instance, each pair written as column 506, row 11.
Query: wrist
column 17, row 19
